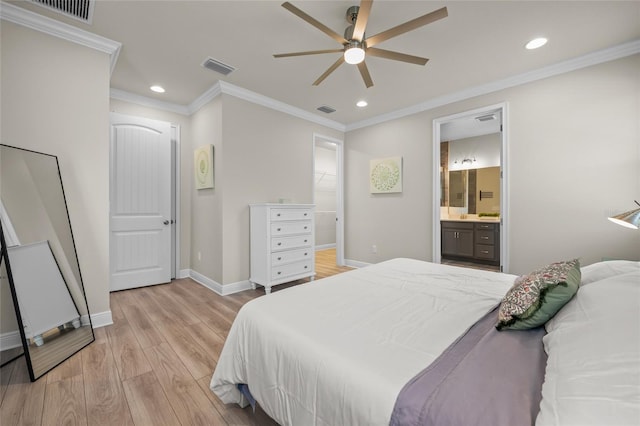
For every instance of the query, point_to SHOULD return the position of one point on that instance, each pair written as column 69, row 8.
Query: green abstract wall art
column 385, row 175
column 203, row 166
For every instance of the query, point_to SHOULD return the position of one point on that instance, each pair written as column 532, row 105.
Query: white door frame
column 175, row 199
column 504, row 184
column 339, row 190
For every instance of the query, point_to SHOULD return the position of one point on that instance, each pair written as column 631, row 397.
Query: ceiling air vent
column 217, row 66
column 488, row 117
column 81, row 10
column 326, row 109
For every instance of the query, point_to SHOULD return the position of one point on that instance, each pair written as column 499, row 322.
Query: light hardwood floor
column 151, row 367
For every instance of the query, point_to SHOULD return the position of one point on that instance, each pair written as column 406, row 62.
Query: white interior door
column 140, row 202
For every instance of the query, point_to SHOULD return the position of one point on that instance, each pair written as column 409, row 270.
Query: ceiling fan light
column 354, row 54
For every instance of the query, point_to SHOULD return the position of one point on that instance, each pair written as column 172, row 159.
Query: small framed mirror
column 40, row 261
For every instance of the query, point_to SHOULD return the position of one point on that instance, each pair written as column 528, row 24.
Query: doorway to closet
column 470, row 189
column 328, row 198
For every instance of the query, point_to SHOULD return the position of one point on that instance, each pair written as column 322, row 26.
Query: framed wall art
column 203, row 166
column 385, row 175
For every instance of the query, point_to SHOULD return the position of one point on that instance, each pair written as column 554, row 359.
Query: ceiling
column 165, row 43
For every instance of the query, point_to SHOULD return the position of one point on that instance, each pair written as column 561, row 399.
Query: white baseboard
column 10, row 340
column 101, row 319
column 183, row 273
column 325, row 246
column 355, row 263
column 218, row 288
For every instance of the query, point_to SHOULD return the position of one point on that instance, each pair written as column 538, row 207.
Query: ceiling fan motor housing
column 352, row 14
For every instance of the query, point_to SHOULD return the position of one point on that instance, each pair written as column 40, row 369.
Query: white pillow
column 610, row 268
column 593, row 346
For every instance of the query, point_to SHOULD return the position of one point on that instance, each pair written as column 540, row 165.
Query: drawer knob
column 305, row 241
column 306, row 254
column 279, row 244
column 484, row 252
column 485, row 238
column 278, row 215
column 279, row 258
column 305, row 266
column 305, row 227
column 279, row 272
column 278, row 229
column 305, row 214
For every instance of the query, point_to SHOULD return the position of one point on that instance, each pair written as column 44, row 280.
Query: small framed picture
column 203, row 166
column 385, row 175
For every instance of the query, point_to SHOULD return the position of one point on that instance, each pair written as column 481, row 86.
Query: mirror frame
column 4, row 257
column 14, row 296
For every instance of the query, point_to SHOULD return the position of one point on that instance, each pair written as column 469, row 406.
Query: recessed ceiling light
column 362, row 104
column 536, row 42
column 157, row 89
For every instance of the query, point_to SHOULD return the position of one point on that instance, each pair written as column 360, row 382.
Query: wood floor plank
column 105, row 398
column 190, row 404
column 70, row 368
column 210, row 341
column 23, row 401
column 5, row 375
column 64, row 402
column 127, row 353
column 147, row 401
column 140, row 323
column 198, row 361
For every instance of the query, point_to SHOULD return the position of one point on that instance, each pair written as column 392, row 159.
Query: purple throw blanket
column 486, row 377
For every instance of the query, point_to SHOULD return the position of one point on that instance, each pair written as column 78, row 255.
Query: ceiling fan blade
column 363, row 17
column 328, row 31
column 407, row 26
column 310, row 52
column 396, row 56
column 364, row 72
column 331, row 69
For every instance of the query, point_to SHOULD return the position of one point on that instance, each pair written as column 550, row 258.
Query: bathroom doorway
column 470, row 189
column 328, row 198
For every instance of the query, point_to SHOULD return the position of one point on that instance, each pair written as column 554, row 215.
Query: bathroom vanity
column 471, row 239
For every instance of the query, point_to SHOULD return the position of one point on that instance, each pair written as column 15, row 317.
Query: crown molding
column 148, row 102
column 26, row 18
column 590, row 59
column 210, row 94
column 256, row 98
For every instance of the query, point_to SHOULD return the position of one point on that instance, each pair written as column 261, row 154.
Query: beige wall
column 55, row 99
column 186, row 164
column 573, row 159
column 206, row 204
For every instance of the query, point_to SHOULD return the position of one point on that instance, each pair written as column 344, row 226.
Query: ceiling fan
column 355, row 46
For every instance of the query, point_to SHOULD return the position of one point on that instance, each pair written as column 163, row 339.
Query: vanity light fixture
column 466, row 160
column 536, row 43
column 361, row 104
column 630, row 219
column 157, row 89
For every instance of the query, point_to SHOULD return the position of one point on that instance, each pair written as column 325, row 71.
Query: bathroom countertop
column 470, row 218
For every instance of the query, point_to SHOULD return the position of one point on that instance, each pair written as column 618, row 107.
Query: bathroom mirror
column 40, row 262
column 458, row 188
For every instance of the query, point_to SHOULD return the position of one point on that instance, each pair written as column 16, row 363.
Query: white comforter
column 339, row 350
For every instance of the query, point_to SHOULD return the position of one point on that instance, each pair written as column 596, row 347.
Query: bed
column 363, row 346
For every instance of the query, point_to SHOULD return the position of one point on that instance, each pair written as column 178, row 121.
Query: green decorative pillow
column 537, row 297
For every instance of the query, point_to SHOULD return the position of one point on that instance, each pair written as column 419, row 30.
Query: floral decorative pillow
column 537, row 297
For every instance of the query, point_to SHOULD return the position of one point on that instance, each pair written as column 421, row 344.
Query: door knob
column 166, row 222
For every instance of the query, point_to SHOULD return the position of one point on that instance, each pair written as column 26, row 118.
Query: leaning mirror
column 40, row 262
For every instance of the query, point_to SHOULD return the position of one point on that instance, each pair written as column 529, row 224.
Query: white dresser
column 282, row 243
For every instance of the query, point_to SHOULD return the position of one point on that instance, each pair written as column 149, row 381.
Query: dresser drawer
column 285, row 243
column 486, row 226
column 485, row 252
column 291, row 269
column 290, row 228
column 291, row 256
column 290, row 214
column 485, row 237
